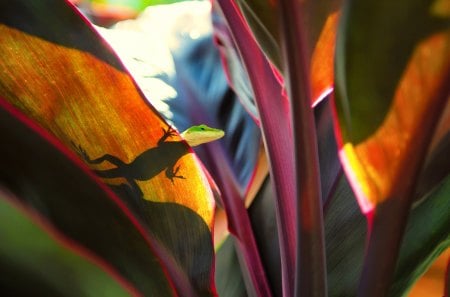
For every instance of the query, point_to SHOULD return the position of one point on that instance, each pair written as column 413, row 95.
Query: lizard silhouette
column 145, row 166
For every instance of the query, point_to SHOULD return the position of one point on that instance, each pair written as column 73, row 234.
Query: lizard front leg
column 171, row 173
column 166, row 134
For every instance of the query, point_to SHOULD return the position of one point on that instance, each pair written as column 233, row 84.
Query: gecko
column 162, row 157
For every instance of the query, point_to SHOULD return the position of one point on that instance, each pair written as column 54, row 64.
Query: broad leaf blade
column 95, row 104
column 57, row 70
column 387, row 87
column 37, row 260
column 391, row 93
column 378, row 161
column 229, row 278
column 37, row 169
column 426, row 236
column 371, row 63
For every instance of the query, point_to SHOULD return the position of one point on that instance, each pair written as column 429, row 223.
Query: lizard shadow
column 161, row 219
column 145, row 166
column 191, row 246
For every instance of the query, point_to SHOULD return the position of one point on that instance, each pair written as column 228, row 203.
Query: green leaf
column 345, row 234
column 48, row 179
column 375, row 44
column 229, row 279
column 426, row 236
column 392, row 93
column 56, row 69
column 37, row 260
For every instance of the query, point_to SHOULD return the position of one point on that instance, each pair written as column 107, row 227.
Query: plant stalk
column 311, row 277
column 277, row 136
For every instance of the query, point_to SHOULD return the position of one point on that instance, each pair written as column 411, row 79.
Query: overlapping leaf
column 274, row 122
column 346, row 231
column 262, row 18
column 233, row 65
column 37, row 170
column 389, row 89
column 319, row 22
column 392, row 93
column 55, row 68
column 37, row 260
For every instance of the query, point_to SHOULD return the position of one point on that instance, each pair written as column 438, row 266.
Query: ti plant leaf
column 426, row 236
column 319, row 21
column 47, row 178
column 233, row 63
column 38, row 260
column 274, row 122
column 262, row 18
column 387, row 88
column 391, row 91
column 57, row 70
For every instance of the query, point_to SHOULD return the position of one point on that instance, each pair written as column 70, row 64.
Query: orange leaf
column 322, row 62
column 92, row 106
column 378, row 163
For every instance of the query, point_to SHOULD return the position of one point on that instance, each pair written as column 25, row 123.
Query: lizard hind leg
column 106, row 157
column 111, row 159
column 113, row 172
column 109, row 173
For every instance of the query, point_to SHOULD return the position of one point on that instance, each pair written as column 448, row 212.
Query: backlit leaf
column 37, row 260
column 262, row 18
column 319, row 24
column 388, row 89
column 322, row 60
column 44, row 176
column 89, row 102
column 391, row 93
column 55, row 68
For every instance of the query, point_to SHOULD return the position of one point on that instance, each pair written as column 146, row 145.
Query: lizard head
column 200, row 134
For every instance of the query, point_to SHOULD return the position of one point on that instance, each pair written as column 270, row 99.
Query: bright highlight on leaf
column 57, row 71
column 100, row 111
column 322, row 60
column 377, row 163
column 149, row 230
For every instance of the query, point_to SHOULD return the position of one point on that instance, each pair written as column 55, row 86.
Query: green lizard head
column 200, row 134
